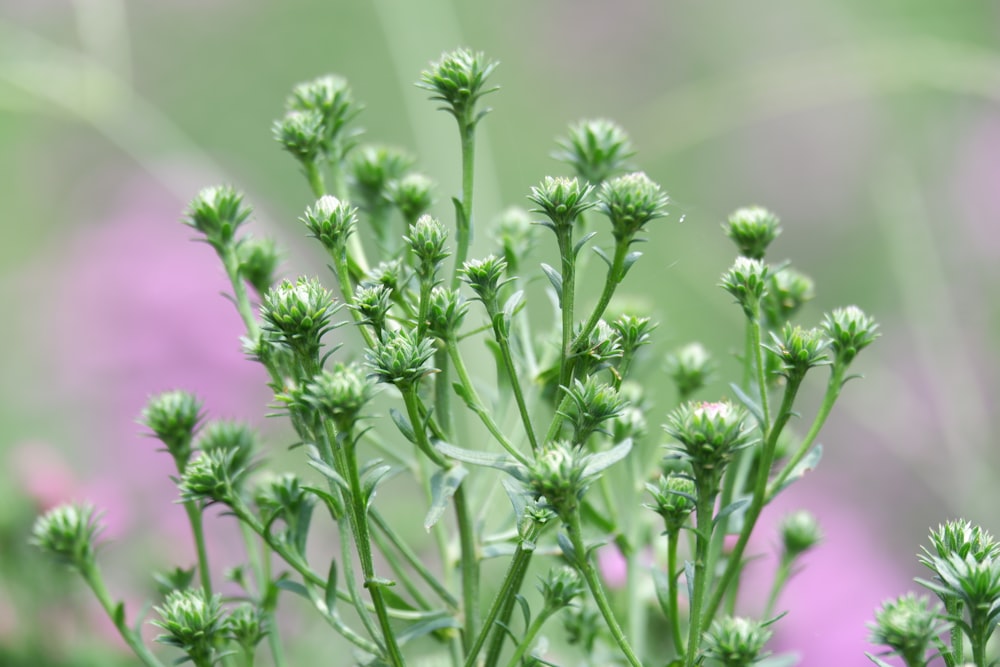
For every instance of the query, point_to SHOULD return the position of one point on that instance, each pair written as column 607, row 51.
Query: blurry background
column 872, row 129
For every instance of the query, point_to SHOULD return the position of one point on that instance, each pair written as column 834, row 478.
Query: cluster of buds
column 401, row 359
column 909, row 626
column 631, row 201
column 193, row 622
column 797, row 350
column 708, row 435
column 850, row 331
column 563, row 472
column 217, row 212
column 591, row 404
column 297, row 315
column 313, row 126
column 68, row 533
column 736, row 642
column 595, row 149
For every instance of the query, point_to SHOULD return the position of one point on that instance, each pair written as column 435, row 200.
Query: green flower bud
column 340, row 393
column 485, row 277
column 909, row 626
column 332, row 98
column 412, row 195
column 963, row 539
column 752, row 230
column 673, row 499
column 975, row 584
column 401, row 359
column 217, row 212
column 708, row 434
column 514, row 234
column 851, row 331
column 427, row 239
column 596, row 149
column 213, row 477
column 69, row 533
column 298, row 314
column 193, row 622
column 736, row 642
column 227, row 435
column 787, row 291
column 445, row 312
column 174, row 580
column 629, row 424
column 630, row 201
column 560, row 587
column 459, row 79
column 633, row 332
column 283, row 498
column 372, row 169
column 247, row 626
column 373, row 303
column 562, row 200
column 259, row 259
column 797, row 350
column 301, row 133
column 690, row 367
column 557, row 476
column 583, row 626
column 602, row 349
column 389, row 274
column 331, row 221
column 593, row 403
column 800, row 532
column 746, row 280
column 173, row 417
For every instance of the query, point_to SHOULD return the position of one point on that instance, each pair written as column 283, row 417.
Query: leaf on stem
column 497, row 461
column 750, row 404
column 330, row 592
column 555, row 279
column 808, row 463
column 444, row 483
column 403, row 424
column 731, row 508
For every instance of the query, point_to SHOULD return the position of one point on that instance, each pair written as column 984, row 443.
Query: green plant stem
column 673, row 573
column 503, row 602
column 345, row 454
column 463, row 224
column 355, row 253
column 567, row 299
column 92, row 575
column 231, row 264
column 529, row 637
column 760, row 371
column 781, row 576
column 583, row 563
column 411, row 401
column 503, row 341
column 703, row 534
column 616, row 273
column 442, row 389
column 197, row 530
column 475, row 403
column 954, row 609
column 760, row 496
column 413, row 560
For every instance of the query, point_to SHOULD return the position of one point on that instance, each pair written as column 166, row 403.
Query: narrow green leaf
column 403, row 424
column 661, row 585
column 525, row 608
column 497, row 461
column 582, row 242
column 328, row 472
column 426, row 627
column 603, row 255
column 444, row 483
column 332, row 502
column 371, row 482
column 459, row 213
column 750, row 404
column 731, row 508
column 566, row 547
column 878, row 661
column 630, row 259
column 293, row 587
column 554, row 278
column 330, row 592
column 808, row 462
column 601, row 461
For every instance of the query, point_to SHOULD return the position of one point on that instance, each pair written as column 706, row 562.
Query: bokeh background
column 872, row 129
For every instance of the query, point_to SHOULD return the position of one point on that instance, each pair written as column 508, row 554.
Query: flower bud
column 299, row 315
column 459, row 79
column 787, row 291
column 213, row 477
column 559, row 588
column 562, row 200
column 259, row 259
column 485, row 276
column 850, row 331
column 193, row 622
column 412, row 195
column 283, row 498
column 227, row 435
column 373, row 303
column 69, row 533
column 217, row 212
column 673, row 499
column 736, row 642
column 331, row 221
column 340, row 394
column 799, row 533
column 909, row 626
column 557, row 476
column 173, row 417
column 747, row 281
column 301, row 133
column 630, row 201
column 427, row 239
column 445, row 312
column 247, row 626
column 389, row 274
column 708, row 435
column 752, row 230
column 602, row 349
column 372, row 168
column 596, row 149
column 332, row 98
column 633, row 332
column 797, row 350
column 962, row 538
column 401, row 359
column 593, row 403
column 690, row 367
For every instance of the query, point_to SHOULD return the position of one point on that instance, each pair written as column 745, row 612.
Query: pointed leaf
column 518, row 496
column 510, row 307
column 555, row 278
column 460, row 220
column 371, row 482
column 878, row 661
column 330, row 592
column 422, row 628
column 328, row 472
column 748, row 403
column 403, row 424
column 498, row 461
column 808, row 462
column 293, row 587
column 601, row 461
column 582, row 242
column 661, row 585
column 629, row 260
column 566, row 547
column 444, row 483
column 603, row 255
column 332, row 503
column 730, row 509
column 689, row 578
column 466, row 397
column 118, row 615
column 525, row 609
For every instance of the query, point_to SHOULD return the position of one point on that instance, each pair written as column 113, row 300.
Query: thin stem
column 529, row 637
column 673, row 573
column 567, row 300
column 780, row 579
column 463, row 226
column 469, row 565
column 411, row 401
column 355, row 253
column 761, row 371
column 476, row 403
column 413, row 560
column 442, row 389
column 614, row 278
column 197, row 530
column 231, row 264
column 93, row 577
column 706, row 501
column 503, row 341
column 583, row 563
